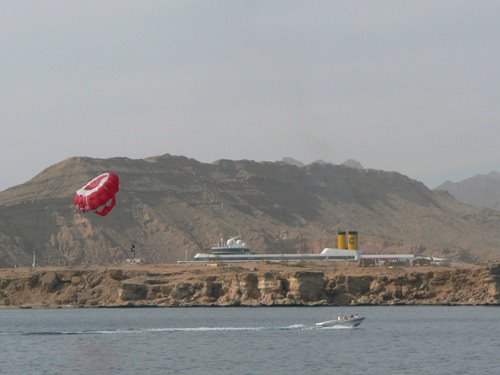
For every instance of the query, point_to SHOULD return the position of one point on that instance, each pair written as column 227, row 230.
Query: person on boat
column 351, row 316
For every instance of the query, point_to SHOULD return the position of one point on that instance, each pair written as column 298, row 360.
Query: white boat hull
column 351, row 322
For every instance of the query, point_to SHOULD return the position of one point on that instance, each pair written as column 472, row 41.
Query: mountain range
column 480, row 190
column 171, row 207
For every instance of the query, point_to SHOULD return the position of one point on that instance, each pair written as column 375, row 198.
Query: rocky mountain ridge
column 482, row 191
column 172, row 205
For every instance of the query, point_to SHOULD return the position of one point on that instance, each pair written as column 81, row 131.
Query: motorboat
column 342, row 321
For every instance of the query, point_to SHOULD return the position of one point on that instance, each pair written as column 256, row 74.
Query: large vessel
column 237, row 251
column 223, row 254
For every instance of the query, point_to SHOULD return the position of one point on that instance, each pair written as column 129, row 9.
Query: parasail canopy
column 98, row 195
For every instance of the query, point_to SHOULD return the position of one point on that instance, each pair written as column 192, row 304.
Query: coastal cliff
column 248, row 285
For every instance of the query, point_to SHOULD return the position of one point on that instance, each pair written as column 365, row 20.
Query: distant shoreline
column 247, row 285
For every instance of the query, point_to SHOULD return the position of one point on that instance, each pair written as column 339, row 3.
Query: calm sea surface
column 392, row 340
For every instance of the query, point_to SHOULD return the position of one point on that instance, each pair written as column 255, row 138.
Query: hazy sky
column 407, row 86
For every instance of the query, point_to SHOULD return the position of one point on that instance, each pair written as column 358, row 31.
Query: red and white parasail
column 98, row 195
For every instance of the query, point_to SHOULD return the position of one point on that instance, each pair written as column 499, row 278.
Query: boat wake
column 132, row 331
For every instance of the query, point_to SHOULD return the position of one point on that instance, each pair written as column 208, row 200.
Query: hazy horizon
column 408, row 86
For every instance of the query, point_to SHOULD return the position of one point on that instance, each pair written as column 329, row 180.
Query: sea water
column 391, row 340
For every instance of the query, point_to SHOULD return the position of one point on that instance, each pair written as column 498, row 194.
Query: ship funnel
column 341, row 240
column 352, row 240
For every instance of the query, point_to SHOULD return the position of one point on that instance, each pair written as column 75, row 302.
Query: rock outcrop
column 262, row 285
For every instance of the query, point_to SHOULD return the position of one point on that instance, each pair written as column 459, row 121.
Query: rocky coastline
column 256, row 284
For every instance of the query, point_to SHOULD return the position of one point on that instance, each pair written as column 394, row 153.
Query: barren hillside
column 170, row 205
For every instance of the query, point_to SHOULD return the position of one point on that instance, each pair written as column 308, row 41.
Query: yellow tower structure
column 352, row 240
column 341, row 240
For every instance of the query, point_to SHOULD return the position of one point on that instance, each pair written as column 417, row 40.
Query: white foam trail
column 165, row 329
